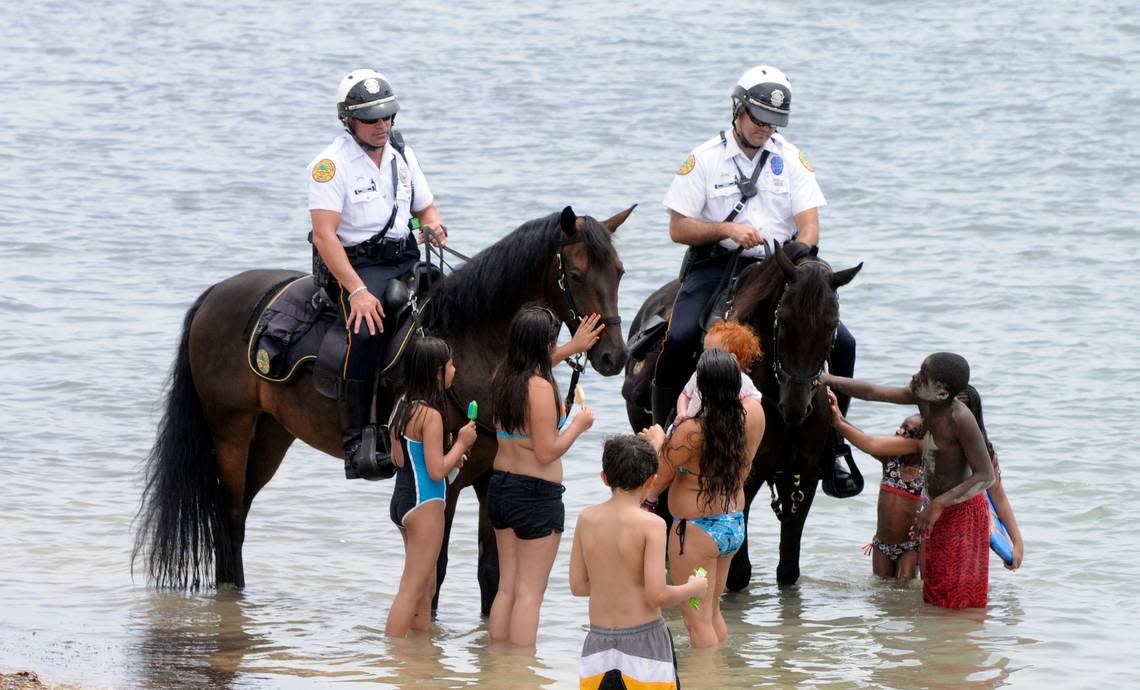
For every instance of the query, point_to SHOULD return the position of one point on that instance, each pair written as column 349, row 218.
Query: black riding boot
column 366, row 453
column 843, row 479
column 663, row 401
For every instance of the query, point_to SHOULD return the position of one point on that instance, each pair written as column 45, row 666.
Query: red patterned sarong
column 956, row 570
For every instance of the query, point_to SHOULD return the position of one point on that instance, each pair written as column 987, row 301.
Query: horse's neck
column 492, row 326
column 761, row 316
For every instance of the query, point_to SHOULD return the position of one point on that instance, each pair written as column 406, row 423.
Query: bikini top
column 892, row 477
column 506, row 434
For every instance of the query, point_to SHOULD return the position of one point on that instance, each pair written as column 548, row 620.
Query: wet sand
column 21, row 680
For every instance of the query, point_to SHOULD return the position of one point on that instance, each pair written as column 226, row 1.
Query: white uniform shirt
column 705, row 188
column 344, row 179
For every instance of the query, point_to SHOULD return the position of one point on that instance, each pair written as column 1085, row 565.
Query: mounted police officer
column 364, row 191
column 745, row 189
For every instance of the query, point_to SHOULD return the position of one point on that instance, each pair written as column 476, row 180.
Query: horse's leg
column 488, row 572
column 266, row 451
column 441, row 564
column 792, row 528
column 233, row 435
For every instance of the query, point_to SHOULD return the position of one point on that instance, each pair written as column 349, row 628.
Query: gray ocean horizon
column 982, row 163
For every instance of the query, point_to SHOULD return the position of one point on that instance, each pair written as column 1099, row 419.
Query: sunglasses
column 375, row 120
column 758, row 123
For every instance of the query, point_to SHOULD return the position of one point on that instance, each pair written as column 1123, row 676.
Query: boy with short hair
column 954, row 520
column 618, row 560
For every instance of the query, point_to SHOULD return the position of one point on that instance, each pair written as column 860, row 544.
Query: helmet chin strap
column 363, row 144
column 740, row 135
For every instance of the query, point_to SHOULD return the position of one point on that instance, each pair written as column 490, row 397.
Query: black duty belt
column 380, row 249
column 709, row 251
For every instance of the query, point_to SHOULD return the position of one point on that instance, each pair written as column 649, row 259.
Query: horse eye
column 576, row 276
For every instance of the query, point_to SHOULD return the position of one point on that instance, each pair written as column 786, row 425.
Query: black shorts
column 532, row 507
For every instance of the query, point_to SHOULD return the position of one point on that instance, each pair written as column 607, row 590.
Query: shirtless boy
column 618, row 560
column 954, row 520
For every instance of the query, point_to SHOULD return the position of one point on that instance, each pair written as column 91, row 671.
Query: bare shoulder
column 688, row 432
column 648, row 520
column 537, row 384
column 753, row 407
column 588, row 514
column 960, row 414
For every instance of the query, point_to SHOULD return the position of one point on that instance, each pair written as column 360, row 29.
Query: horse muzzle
column 609, row 360
column 795, row 406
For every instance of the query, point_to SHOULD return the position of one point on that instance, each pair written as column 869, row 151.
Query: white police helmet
column 365, row 94
column 766, row 93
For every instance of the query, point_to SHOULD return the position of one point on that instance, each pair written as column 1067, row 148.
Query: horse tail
column 184, row 510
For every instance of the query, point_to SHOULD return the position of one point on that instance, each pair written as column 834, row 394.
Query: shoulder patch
column 804, row 160
column 688, row 165
column 325, row 170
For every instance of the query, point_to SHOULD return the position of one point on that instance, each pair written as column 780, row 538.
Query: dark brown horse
column 790, row 300
column 225, row 431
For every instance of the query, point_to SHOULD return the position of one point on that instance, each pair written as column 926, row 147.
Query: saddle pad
column 289, row 331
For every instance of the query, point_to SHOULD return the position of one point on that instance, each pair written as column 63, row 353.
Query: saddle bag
column 644, row 350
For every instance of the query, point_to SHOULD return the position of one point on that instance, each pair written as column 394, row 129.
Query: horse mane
column 496, row 282
column 762, row 285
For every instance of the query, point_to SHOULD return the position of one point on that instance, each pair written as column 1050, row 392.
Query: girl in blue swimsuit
column 704, row 463
column 524, row 496
column 423, row 463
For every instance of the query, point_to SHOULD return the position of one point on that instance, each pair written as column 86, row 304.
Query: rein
column 575, row 362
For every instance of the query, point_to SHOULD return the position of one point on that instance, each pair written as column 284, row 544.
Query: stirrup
column 367, row 460
column 840, row 481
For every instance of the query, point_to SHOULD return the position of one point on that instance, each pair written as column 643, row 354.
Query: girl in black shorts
column 524, row 499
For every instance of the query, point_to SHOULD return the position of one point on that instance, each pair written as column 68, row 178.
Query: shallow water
column 968, row 158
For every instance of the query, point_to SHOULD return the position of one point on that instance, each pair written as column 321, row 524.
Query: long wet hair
column 722, row 425
column 426, row 363
column 531, row 342
column 972, row 399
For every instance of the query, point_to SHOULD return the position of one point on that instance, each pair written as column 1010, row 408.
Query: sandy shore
column 24, row 680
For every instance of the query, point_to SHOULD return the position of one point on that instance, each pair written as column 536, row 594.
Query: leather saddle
column 293, row 327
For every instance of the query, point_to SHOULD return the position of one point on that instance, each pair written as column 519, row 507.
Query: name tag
column 364, row 186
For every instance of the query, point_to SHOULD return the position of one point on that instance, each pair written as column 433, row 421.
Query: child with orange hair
column 743, row 344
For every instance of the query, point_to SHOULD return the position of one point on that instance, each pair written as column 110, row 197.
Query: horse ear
column 617, row 219
column 568, row 222
column 845, row 276
column 786, row 264
column 814, row 251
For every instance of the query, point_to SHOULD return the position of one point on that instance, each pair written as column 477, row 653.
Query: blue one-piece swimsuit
column 414, row 486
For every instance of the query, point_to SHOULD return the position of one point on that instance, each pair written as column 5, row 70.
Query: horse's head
column 562, row 261
column 806, row 323
column 586, row 273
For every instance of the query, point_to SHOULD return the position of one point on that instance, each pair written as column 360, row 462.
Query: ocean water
column 982, row 164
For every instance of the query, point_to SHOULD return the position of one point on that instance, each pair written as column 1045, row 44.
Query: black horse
column 225, row 431
column 790, row 301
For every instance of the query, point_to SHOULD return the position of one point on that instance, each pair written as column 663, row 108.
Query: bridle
column 564, row 286
column 783, row 376
column 575, row 362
